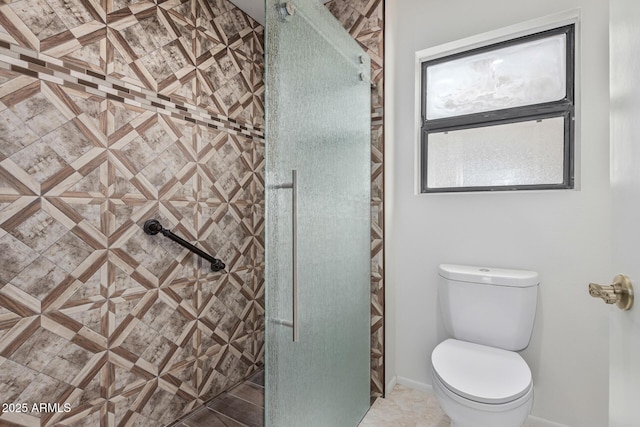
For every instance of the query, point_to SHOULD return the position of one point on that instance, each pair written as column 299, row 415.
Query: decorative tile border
column 40, row 66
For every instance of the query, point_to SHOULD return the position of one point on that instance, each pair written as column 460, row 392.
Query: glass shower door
column 317, row 219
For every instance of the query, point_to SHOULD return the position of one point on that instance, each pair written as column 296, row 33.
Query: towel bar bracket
column 153, row 227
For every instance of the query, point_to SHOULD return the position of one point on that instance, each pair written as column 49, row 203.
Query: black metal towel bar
column 154, row 227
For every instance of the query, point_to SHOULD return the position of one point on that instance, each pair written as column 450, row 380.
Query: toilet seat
column 480, row 373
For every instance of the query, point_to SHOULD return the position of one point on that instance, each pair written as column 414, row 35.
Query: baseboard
column 427, row 388
column 390, row 385
column 541, row 422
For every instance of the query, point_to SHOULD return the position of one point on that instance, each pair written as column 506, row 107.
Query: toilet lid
column 480, row 373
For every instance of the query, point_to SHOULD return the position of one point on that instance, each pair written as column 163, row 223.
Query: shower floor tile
column 242, row 406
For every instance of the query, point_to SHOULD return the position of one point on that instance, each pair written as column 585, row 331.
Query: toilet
column 478, row 378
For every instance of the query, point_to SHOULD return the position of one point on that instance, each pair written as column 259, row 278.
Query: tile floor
column 405, row 407
column 243, row 406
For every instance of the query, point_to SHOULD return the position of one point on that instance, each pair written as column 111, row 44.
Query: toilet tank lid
column 489, row 275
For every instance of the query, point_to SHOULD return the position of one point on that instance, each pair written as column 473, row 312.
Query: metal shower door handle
column 294, row 252
column 293, row 185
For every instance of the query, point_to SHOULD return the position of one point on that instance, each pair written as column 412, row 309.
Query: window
column 500, row 117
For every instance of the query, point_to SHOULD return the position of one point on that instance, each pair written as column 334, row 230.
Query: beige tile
column 16, row 256
column 14, row 378
column 405, row 407
column 39, row 18
column 14, row 136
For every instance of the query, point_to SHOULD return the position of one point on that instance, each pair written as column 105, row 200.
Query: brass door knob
column 619, row 292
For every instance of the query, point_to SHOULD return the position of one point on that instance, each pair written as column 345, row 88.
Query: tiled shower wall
column 113, row 112
column 364, row 20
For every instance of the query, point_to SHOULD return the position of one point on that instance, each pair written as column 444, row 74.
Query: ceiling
column 253, row 8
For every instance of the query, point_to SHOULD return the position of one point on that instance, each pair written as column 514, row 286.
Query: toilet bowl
column 480, row 386
column 478, row 378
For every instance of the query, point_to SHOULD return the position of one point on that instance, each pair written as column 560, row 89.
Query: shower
column 117, row 114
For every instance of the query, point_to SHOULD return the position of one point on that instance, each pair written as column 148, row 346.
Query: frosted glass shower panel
column 317, row 225
column 512, row 76
column 524, row 153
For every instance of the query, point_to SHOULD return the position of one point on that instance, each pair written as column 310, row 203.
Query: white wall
column 564, row 235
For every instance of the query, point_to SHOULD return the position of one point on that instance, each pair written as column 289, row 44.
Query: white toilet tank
column 490, row 306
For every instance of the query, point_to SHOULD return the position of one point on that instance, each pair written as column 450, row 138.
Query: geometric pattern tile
column 199, row 54
column 111, row 113
column 194, row 53
column 365, row 22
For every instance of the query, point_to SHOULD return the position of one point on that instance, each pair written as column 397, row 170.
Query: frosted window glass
column 525, row 153
column 513, row 76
